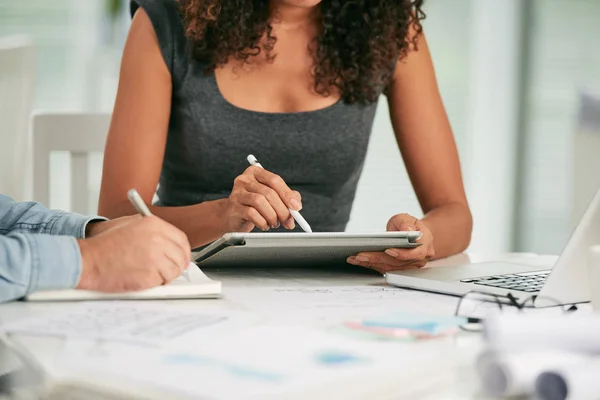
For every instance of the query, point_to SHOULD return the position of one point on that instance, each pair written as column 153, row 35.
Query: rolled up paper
column 525, row 332
column 576, row 381
column 515, row 374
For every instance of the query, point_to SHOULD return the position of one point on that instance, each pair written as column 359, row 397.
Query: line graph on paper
column 327, row 304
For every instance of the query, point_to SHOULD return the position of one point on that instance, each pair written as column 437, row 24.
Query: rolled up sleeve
column 31, row 217
column 36, row 262
column 70, row 224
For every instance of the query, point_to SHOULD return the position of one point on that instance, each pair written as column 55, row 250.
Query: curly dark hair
column 355, row 51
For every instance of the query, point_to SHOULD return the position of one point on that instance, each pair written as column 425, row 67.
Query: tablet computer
column 297, row 249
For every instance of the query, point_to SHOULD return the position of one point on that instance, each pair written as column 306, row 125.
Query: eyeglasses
column 476, row 306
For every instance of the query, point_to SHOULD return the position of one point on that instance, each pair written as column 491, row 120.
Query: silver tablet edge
column 411, row 236
column 239, row 238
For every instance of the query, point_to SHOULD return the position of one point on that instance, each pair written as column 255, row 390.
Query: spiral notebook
column 199, row 286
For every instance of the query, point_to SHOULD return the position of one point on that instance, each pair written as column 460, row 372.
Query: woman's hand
column 260, row 198
column 397, row 259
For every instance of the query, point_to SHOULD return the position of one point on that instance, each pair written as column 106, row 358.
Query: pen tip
column 251, row 159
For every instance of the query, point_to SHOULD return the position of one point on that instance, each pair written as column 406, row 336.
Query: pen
column 299, row 219
column 141, row 207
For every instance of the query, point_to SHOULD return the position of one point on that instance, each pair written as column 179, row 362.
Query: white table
column 460, row 384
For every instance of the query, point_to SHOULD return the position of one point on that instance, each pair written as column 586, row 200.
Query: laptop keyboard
column 526, row 282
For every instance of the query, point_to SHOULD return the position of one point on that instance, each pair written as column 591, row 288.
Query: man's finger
column 176, row 265
column 179, row 239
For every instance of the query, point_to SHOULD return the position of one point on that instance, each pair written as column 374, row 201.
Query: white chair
column 586, row 154
column 17, row 76
column 78, row 134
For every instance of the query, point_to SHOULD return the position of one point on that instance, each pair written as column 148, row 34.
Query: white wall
column 384, row 189
column 490, row 152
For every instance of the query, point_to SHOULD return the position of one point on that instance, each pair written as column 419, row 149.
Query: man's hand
column 95, row 228
column 132, row 254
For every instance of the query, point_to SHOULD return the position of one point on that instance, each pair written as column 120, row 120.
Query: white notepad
column 200, row 286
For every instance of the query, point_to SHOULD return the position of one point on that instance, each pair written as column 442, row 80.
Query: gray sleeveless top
column 318, row 153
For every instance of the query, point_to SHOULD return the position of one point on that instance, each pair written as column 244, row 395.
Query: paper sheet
column 198, row 286
column 266, row 361
column 128, row 322
column 318, row 306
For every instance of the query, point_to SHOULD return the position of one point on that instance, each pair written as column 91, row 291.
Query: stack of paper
column 551, row 357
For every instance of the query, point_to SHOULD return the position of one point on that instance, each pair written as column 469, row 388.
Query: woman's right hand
column 261, row 199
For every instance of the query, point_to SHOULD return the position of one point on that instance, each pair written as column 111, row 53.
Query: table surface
column 459, row 384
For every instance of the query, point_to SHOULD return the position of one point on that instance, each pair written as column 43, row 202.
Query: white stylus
column 299, row 219
column 138, row 203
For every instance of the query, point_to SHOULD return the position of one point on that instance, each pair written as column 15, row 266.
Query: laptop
column 566, row 282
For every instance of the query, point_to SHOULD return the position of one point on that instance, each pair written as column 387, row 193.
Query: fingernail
column 362, row 258
column 295, row 205
column 352, row 260
column 278, row 225
column 392, row 253
column 290, row 224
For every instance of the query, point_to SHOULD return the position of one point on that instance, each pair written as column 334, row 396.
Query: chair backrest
column 77, row 134
column 586, row 155
column 17, row 79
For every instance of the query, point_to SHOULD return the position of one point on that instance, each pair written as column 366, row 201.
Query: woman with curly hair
column 295, row 82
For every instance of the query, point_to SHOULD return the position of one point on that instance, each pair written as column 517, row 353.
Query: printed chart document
column 199, row 286
column 322, row 305
column 135, row 323
column 255, row 362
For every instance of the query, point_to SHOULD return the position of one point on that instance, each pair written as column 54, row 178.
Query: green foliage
column 113, row 7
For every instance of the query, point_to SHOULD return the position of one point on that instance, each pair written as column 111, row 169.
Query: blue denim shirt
column 38, row 248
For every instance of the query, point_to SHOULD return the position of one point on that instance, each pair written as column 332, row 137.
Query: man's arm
column 38, row 248
column 31, row 217
column 33, row 262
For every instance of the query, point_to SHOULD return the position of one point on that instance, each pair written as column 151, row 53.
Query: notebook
column 198, row 287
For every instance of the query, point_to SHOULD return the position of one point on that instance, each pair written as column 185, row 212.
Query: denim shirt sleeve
column 30, row 217
column 38, row 248
column 35, row 262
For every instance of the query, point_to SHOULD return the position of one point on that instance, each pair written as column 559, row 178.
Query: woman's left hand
column 397, row 259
